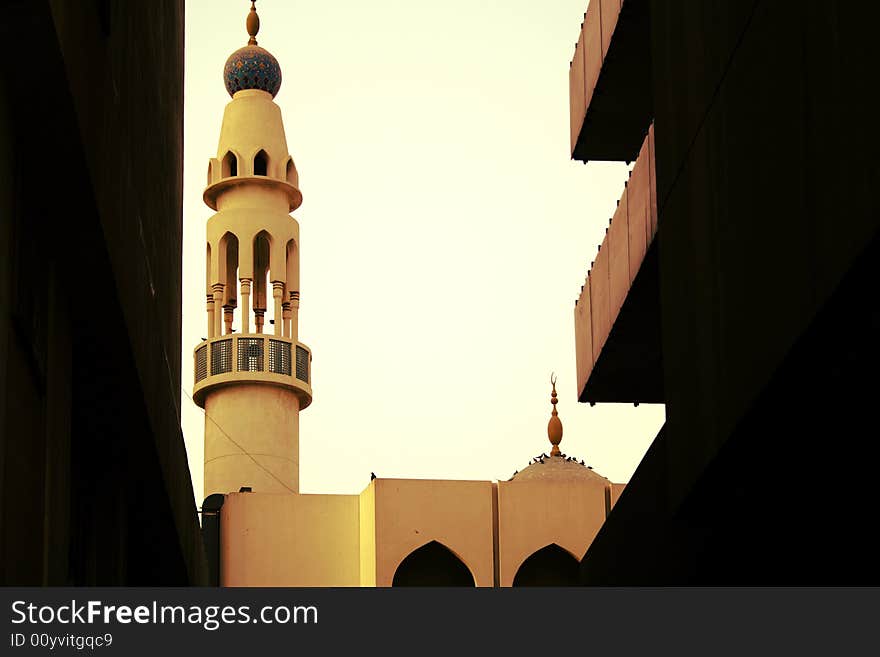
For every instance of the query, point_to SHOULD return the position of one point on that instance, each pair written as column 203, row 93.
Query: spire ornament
column 554, row 427
column 253, row 24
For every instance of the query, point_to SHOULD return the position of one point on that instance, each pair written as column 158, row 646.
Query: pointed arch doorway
column 549, row 566
column 433, row 564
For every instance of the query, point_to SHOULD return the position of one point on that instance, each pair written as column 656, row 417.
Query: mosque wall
column 534, row 514
column 272, row 539
column 413, row 512
column 283, row 539
column 367, row 509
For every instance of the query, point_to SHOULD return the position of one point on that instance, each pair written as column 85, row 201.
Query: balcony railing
column 251, row 353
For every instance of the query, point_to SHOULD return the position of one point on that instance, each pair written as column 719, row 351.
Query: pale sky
column 445, row 233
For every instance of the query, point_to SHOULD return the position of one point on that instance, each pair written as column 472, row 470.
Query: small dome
column 557, row 468
column 252, row 67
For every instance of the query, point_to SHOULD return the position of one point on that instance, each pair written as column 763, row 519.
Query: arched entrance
column 549, row 566
column 433, row 564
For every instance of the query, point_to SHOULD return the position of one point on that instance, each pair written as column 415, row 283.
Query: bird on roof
column 372, row 476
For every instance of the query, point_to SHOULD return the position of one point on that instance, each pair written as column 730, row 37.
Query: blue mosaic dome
column 252, row 67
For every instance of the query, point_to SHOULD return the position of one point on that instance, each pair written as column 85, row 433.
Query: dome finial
column 253, row 24
column 252, row 66
column 554, row 427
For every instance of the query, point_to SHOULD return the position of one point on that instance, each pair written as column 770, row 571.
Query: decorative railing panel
column 221, row 356
column 250, row 354
column 201, row 362
column 279, row 357
column 302, row 364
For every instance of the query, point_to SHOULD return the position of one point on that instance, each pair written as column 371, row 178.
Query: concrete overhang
column 617, row 316
column 610, row 93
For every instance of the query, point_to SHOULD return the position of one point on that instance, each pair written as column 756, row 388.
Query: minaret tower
column 254, row 381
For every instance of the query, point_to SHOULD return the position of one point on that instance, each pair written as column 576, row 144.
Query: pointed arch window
column 261, row 248
column 230, row 165
column 261, row 164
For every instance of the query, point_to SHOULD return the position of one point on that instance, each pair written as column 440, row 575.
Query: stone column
column 277, row 293
column 210, row 309
column 245, row 305
column 285, row 313
column 293, row 333
column 218, row 309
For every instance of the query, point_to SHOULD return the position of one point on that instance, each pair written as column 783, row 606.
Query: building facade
column 94, row 479
column 737, row 285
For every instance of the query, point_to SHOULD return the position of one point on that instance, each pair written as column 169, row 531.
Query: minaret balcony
column 252, row 358
column 213, row 191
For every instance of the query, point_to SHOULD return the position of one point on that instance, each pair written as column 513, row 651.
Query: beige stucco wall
column 289, row 540
column 346, row 540
column 412, row 512
column 534, row 514
column 251, row 122
column 264, row 420
column 367, row 516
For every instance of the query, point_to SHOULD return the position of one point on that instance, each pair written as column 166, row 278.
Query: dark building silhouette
column 94, row 483
column 738, row 285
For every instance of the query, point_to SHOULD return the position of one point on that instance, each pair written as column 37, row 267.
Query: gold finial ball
column 554, row 430
column 253, row 24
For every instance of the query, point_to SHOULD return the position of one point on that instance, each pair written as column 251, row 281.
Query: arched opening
column 261, row 273
column 229, row 244
column 210, row 172
column 549, row 566
column 230, row 165
column 292, row 263
column 433, row 564
column 290, row 173
column 261, row 164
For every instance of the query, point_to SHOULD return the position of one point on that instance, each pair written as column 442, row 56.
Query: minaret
column 252, row 384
